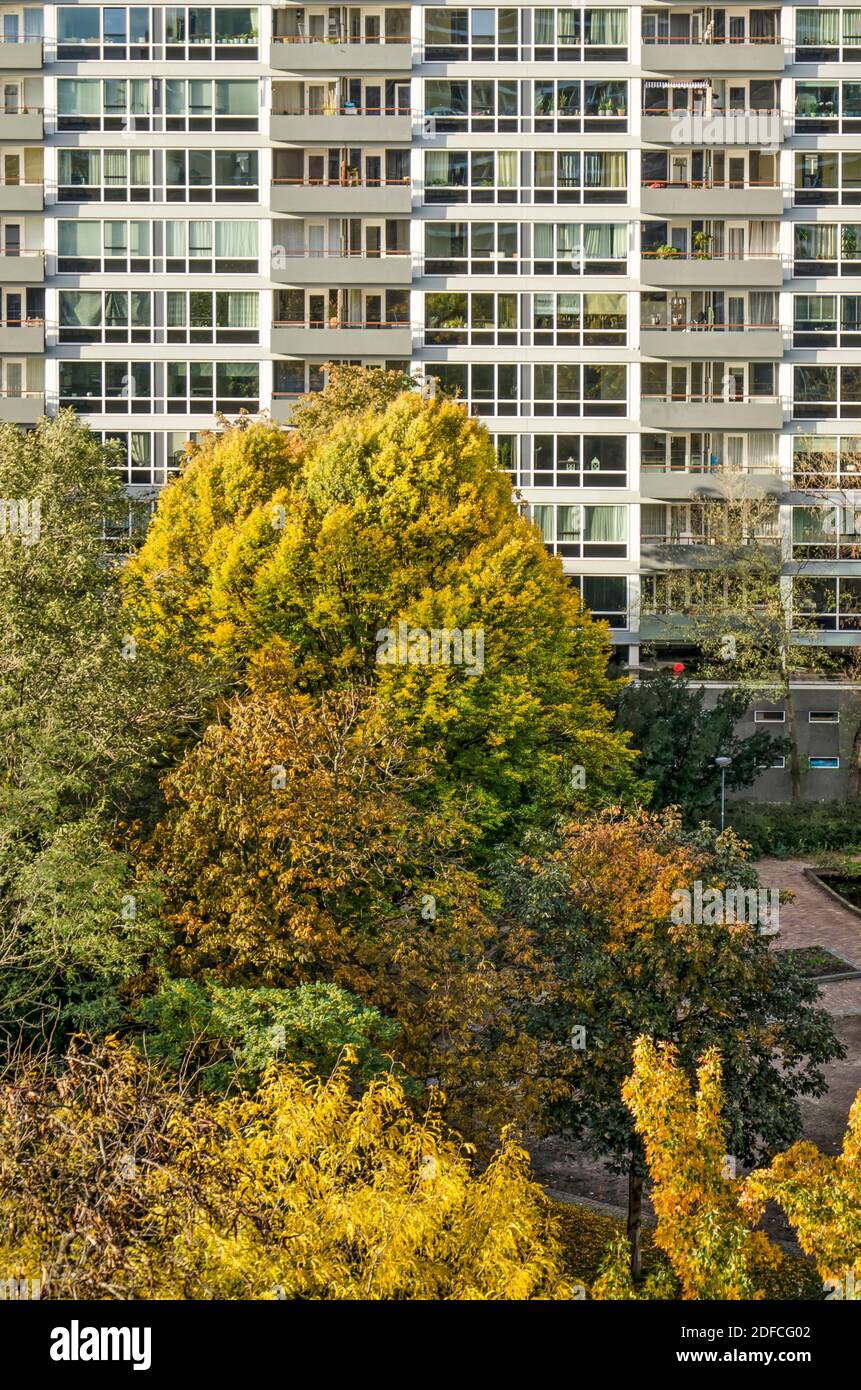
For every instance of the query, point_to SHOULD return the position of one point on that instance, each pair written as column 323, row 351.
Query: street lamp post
column 723, row 764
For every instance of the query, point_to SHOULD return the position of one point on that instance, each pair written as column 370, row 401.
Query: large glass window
column 195, row 388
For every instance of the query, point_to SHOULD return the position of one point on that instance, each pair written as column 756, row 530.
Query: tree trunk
column 635, row 1214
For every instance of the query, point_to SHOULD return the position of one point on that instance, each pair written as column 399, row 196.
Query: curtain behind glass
column 609, row 28
column 606, row 524
column 604, row 240
column 236, row 239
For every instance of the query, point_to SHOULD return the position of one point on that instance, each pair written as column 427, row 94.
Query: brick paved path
column 816, row 919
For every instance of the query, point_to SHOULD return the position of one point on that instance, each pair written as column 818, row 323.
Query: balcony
column 22, row 126
column 28, row 268
column 340, row 199
column 755, row 56
column 712, row 199
column 699, row 340
column 342, row 339
column 27, row 408
column 324, row 269
column 370, row 125
column 686, row 413
column 712, row 272
column 709, row 484
column 17, row 337
column 18, row 55
column 693, row 550
column 22, row 197
column 300, row 53
column 721, row 128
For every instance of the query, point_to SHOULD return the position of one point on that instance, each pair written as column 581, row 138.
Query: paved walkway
column 814, row 918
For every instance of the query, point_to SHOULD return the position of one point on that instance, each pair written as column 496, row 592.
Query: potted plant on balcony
column 702, row 246
column 665, row 252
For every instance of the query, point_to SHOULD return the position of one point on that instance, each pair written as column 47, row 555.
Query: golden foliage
column 117, row 1184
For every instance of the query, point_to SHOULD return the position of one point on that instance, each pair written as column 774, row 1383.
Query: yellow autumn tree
column 821, row 1197
column 116, row 1181
column 332, row 556
column 705, row 1234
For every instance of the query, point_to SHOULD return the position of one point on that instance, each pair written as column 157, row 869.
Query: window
column 100, row 176
column 569, row 460
column 568, row 104
column 535, row 389
column 478, row 105
column 204, row 176
column 826, row 604
column 199, row 104
column 827, row 36
column 826, row 392
column 566, row 320
column 115, row 32
column 109, row 316
column 823, row 764
column 201, row 33
column 204, row 316
column 827, row 178
column 106, row 388
column 826, row 461
column 201, row 388
column 827, row 320
column 572, row 176
column 605, row 596
column 482, row 35
column 479, row 176
column 823, row 716
column 827, row 248
column 572, row 34
column 574, row 248
column 769, row 716
column 778, row 765
column 569, row 529
column 85, row 103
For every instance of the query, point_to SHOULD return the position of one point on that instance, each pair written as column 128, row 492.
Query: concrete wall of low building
column 832, row 735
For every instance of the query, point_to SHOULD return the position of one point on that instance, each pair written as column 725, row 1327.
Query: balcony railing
column 712, row 398
column 706, row 40
column 343, row 109
column 700, row 538
column 722, row 256
column 309, row 254
column 710, row 183
column 707, row 468
column 382, row 41
column 707, row 326
column 334, row 324
column 342, row 183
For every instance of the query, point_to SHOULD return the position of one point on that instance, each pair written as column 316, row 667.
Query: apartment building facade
column 625, row 235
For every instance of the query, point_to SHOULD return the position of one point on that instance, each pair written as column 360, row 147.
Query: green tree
column 230, row 1034
column 605, row 900
column 86, row 722
column 396, row 516
column 678, row 737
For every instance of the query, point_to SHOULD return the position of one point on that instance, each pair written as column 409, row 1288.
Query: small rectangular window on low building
column 769, row 716
column 823, row 764
column 823, row 716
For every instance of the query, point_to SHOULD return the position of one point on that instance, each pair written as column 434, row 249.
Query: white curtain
column 761, row 450
column 237, row 240
column 609, row 28
column 763, row 238
column 762, row 306
column 605, row 240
